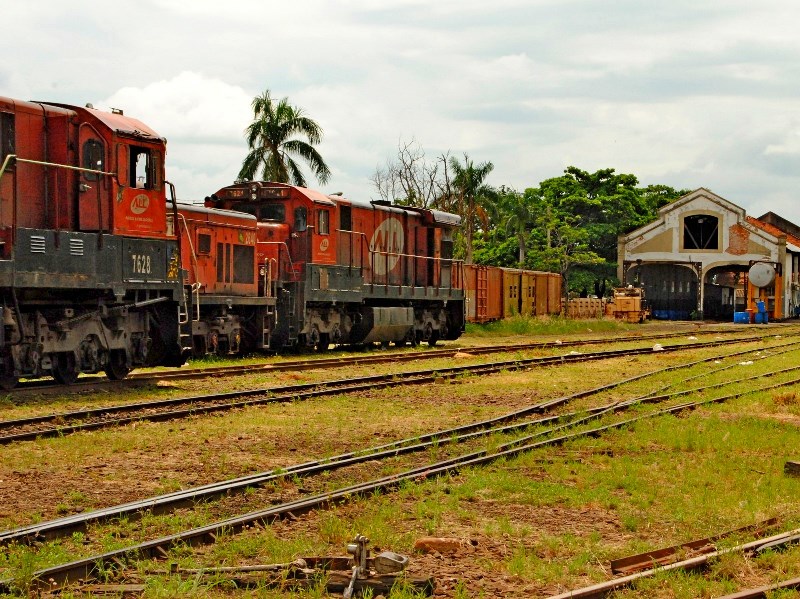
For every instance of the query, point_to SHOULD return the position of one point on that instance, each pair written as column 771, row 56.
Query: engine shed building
column 705, row 258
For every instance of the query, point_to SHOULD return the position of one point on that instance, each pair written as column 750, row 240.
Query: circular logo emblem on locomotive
column 386, row 245
column 140, row 203
column 323, row 245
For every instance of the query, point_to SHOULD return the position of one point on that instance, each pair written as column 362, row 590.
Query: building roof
column 782, row 223
column 773, row 230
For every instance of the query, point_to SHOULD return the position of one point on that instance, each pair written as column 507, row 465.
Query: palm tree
column 474, row 198
column 273, row 148
column 519, row 218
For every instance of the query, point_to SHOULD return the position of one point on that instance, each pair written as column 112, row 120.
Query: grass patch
column 547, row 325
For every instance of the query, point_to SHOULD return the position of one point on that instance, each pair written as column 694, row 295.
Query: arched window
column 701, row 232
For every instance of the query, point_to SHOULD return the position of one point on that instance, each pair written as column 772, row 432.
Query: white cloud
column 684, row 93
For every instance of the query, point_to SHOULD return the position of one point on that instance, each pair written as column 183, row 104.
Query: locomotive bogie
column 65, row 339
column 234, row 327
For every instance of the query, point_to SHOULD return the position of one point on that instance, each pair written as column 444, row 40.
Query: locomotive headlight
column 253, row 192
column 262, row 271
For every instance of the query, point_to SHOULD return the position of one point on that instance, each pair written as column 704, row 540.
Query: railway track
column 63, row 423
column 498, row 425
column 140, row 378
column 554, row 435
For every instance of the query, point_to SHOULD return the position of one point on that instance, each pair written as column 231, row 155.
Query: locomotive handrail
column 195, row 287
column 288, row 254
column 9, row 158
column 456, row 276
column 69, row 167
column 361, row 235
column 268, row 277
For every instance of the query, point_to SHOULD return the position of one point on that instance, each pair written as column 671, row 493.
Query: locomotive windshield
column 274, row 212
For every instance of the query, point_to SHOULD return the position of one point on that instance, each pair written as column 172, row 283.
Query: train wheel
column 199, row 346
column 411, row 338
column 117, row 367
column 433, row 339
column 324, row 343
column 64, row 369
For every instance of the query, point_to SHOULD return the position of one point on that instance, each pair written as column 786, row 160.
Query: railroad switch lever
column 387, row 562
column 358, row 549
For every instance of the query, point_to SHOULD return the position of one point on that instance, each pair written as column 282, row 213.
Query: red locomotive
column 89, row 274
column 334, row 270
column 232, row 307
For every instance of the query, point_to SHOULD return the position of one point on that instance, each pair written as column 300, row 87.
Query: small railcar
column 494, row 293
column 349, row 271
column 89, row 275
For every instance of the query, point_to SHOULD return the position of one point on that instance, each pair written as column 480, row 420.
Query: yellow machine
column 629, row 304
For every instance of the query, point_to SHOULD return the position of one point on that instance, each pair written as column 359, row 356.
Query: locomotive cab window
column 323, row 222
column 141, row 168
column 272, row 212
column 300, row 219
column 203, row 243
column 7, row 145
column 93, row 156
column 345, row 218
column 447, row 249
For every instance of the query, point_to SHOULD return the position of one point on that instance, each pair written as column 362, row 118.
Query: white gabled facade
column 702, row 231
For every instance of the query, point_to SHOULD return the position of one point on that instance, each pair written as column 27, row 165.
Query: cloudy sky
column 685, row 93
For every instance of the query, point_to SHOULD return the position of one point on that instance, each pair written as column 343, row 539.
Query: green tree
column 274, row 147
column 473, row 197
column 559, row 240
column 601, row 205
column 517, row 217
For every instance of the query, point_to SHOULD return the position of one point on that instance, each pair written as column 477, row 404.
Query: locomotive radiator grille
column 76, row 247
column 38, row 244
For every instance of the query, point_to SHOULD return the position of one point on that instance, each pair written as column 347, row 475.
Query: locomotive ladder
column 270, row 320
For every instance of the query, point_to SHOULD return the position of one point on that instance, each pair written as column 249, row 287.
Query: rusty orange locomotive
column 90, row 276
column 329, row 270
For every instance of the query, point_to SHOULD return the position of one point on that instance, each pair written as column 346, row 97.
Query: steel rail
column 667, row 555
column 90, row 381
column 205, row 404
column 601, row 589
column 756, row 593
column 86, row 567
column 61, row 526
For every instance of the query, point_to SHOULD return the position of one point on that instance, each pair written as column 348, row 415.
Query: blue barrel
column 761, row 307
column 741, row 317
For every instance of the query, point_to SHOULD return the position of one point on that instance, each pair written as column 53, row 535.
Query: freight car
column 347, row 271
column 493, row 292
column 89, row 274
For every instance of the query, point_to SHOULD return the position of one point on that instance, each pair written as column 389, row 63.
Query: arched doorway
column 724, row 291
column 671, row 290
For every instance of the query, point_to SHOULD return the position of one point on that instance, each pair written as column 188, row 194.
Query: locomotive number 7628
column 141, row 264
